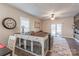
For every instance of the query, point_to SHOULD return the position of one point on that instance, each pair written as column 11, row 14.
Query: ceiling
column 44, row 10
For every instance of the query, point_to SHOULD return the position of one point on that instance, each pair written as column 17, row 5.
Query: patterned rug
column 74, row 46
column 60, row 47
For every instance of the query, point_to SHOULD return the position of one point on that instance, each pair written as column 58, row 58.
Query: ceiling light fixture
column 52, row 16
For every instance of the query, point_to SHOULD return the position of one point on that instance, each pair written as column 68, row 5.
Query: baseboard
column 69, row 37
column 76, row 40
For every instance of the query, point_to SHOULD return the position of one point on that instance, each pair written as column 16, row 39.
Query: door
column 56, row 29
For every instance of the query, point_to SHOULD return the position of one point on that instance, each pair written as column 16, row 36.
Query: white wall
column 67, row 30
column 8, row 11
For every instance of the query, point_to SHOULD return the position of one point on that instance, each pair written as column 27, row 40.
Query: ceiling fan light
column 52, row 17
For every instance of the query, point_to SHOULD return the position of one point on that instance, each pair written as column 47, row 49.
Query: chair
column 11, row 43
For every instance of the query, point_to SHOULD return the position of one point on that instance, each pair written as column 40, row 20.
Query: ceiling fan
column 52, row 17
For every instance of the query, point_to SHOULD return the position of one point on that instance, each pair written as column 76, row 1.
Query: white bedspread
column 60, row 47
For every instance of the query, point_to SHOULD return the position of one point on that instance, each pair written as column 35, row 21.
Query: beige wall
column 67, row 30
column 8, row 11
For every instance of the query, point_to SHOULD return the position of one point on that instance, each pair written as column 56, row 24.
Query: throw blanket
column 2, row 45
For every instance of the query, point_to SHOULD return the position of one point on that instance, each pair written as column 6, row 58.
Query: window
column 24, row 25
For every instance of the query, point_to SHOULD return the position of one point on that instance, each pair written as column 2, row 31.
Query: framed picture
column 37, row 24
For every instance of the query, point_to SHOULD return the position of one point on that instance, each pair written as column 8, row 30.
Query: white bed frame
column 33, row 38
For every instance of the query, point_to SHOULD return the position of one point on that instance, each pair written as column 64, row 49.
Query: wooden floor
column 23, row 53
column 20, row 52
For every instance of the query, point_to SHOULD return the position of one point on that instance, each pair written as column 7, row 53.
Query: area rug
column 74, row 46
column 60, row 47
